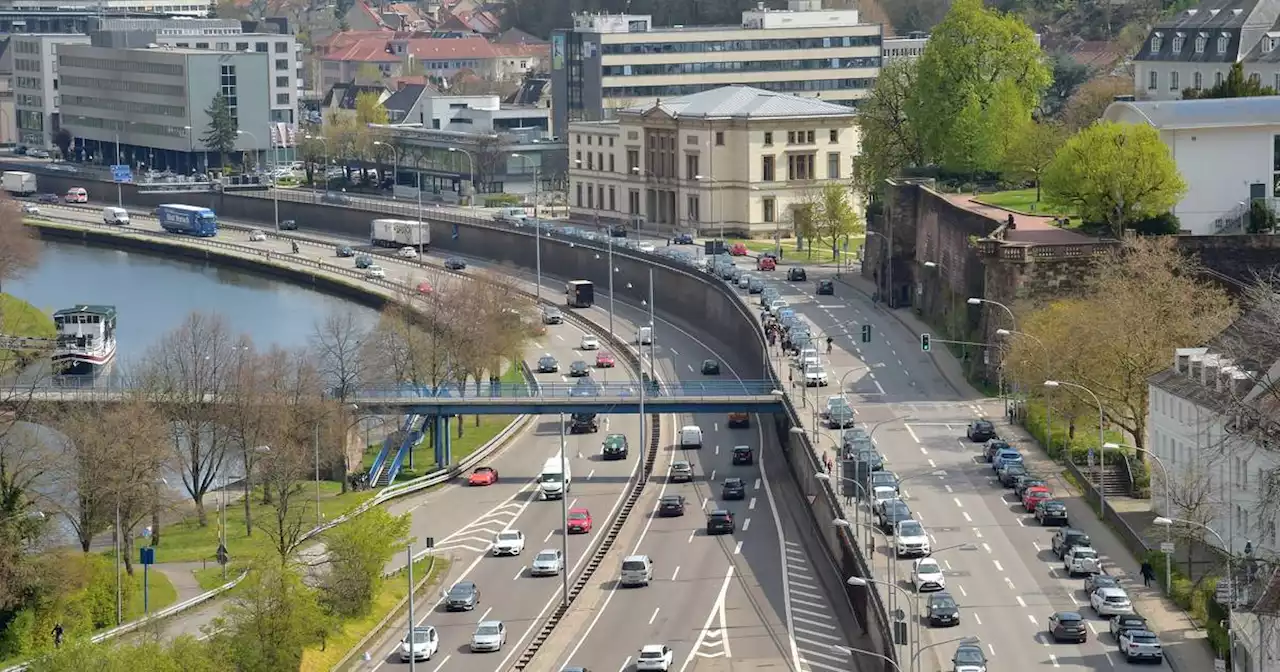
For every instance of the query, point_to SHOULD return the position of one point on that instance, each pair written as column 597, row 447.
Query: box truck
column 190, row 220
column 18, row 183
column 555, row 479
column 400, row 233
column 580, row 294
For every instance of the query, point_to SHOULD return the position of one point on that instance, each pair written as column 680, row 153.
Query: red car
column 766, row 264
column 425, row 288
column 1034, row 496
column 483, row 476
column 738, row 250
column 579, row 521
column 604, row 360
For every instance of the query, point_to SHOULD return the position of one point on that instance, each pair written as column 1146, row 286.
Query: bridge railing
column 683, row 390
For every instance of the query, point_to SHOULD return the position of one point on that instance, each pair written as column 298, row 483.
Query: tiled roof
column 402, row 101
column 1252, row 342
column 522, row 50
column 343, row 94
column 453, row 48
column 1214, row 113
column 743, row 102
column 366, row 50
column 517, row 36
column 1242, row 22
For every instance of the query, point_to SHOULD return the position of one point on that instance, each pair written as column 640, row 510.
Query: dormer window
column 1269, row 43
column 1178, row 39
column 1156, row 40
column 1223, row 39
column 1201, row 39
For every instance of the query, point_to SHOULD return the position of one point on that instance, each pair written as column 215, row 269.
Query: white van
column 115, row 216
column 637, row 570
column 644, row 336
column 511, row 216
column 555, row 480
column 691, row 436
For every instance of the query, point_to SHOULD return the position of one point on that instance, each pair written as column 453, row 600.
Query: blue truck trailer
column 188, row 219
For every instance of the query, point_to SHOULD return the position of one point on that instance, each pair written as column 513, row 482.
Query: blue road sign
column 120, row 173
column 455, row 231
column 147, row 555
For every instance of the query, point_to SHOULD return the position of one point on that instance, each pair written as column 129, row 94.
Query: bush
column 81, row 596
column 1197, row 600
column 1160, row 225
column 501, row 200
column 1262, row 219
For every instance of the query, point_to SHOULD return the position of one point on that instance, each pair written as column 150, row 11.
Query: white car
column 1081, row 560
column 421, row 644
column 1107, row 602
column 257, row 236
column 926, row 574
column 910, row 539
column 508, row 542
column 589, row 342
column 489, row 636
column 804, row 354
column 547, row 562
column 647, row 247
column 375, row 271
column 881, row 494
column 654, row 657
column 815, row 376
column 407, row 253
column 778, row 305
column 30, row 209
column 1140, row 645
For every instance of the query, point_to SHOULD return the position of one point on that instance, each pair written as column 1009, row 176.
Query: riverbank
column 19, row 318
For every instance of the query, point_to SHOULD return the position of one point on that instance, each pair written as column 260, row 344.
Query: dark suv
column 981, row 430
column 1067, row 538
column 671, row 505
column 614, row 447
column 826, row 287
column 743, row 455
column 797, row 275
column 733, row 488
column 1051, row 512
column 1068, row 625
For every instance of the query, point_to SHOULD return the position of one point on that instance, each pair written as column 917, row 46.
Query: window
column 611, row 141
column 1153, row 80
column 589, row 140
column 591, row 201
column 768, row 138
column 260, row 47
column 801, row 167
column 1157, row 40
column 1173, row 81
column 579, row 194
column 1276, row 84
column 282, row 48
column 1217, row 79
column 691, row 167
column 719, row 138
column 1200, row 40
column 282, row 99
column 222, row 46
column 282, row 64
column 690, row 139
column 1197, row 80
column 633, row 161
column 577, row 158
column 600, row 160
column 769, row 205
column 833, row 166
column 591, row 165
column 693, row 210
column 1255, row 78
column 1177, row 43
column 767, row 168
column 1223, row 39
column 633, row 202
column 242, row 46
column 282, row 81
column 833, row 136
column 612, row 169
column 613, row 202
column 229, row 88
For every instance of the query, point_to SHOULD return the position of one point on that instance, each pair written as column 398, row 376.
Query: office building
column 735, row 158
column 35, row 87
column 907, row 47
column 606, row 62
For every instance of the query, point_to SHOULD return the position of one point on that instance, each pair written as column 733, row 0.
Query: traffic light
column 866, row 333
column 924, row 342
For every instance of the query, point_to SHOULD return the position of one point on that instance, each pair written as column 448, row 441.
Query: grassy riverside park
column 19, row 318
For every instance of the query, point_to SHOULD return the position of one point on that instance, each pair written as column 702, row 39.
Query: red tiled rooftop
column 1029, row 228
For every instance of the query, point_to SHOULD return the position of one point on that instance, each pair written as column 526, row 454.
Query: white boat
column 86, row 339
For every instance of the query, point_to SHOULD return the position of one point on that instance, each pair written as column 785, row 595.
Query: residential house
column 397, row 54
column 1256, row 623
column 1196, row 48
column 340, row 101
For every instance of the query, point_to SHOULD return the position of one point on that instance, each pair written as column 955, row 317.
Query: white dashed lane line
column 815, row 628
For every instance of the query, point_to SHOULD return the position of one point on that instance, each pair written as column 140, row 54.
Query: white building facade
column 1195, row 48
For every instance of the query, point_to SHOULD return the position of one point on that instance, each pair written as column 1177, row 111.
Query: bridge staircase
column 396, row 439
column 412, row 437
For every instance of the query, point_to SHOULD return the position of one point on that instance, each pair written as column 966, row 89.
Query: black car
column 733, row 488
column 345, row 251
column 681, row 472
column 578, row 369
column 995, row 446
column 1010, row 473
column 710, row 367
column 870, row 456
column 1068, row 626
column 288, row 225
column 981, row 430
column 671, row 505
column 884, row 479
column 1051, row 512
column 1095, row 581
column 1027, row 481
column 682, row 239
column 743, row 455
column 618, row 231
column 548, row 364
column 49, row 198
column 614, row 447
column 1124, row 622
column 455, row 264
column 463, row 596
column 583, row 423
column 826, row 287
column 797, row 274
column 720, row 522
column 1067, row 538
column 942, row 610
column 892, row 513
column 841, row 417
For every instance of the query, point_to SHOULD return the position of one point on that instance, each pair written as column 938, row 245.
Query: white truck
column 18, row 183
column 400, row 233
column 555, row 480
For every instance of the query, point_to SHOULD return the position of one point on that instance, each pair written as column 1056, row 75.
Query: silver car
column 548, row 562
column 1109, row 602
column 489, row 636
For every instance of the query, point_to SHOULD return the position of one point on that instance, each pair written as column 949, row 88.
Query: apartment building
column 607, row 62
column 398, row 54
column 1196, row 48
column 152, row 103
column 35, row 86
column 735, row 158
column 907, row 47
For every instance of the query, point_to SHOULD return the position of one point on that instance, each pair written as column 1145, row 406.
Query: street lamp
column 537, row 228
column 395, row 159
column 976, row 301
column 395, row 165
column 275, row 192
column 612, row 271
column 1168, row 509
column 1102, row 482
column 471, row 173
column 1167, row 521
column 1048, row 414
column 893, row 583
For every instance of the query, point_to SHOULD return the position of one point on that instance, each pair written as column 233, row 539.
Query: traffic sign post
column 146, row 558
column 121, row 174
column 1167, row 548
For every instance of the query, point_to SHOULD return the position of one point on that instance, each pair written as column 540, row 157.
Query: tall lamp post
column 1167, row 521
column 275, row 193
column 1168, row 508
column 1048, row 367
column 537, row 227
column 1013, row 321
column 612, row 271
column 325, row 173
column 471, row 173
column 859, row 581
column 1102, row 446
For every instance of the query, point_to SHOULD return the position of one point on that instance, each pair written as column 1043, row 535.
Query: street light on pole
column 914, row 645
column 537, row 229
column 471, row 173
column 395, row 159
column 1168, row 508
column 564, row 521
column 1048, row 414
column 1013, row 321
column 612, row 271
column 1102, row 447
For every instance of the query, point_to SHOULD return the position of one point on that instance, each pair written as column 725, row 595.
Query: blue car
column 1007, row 454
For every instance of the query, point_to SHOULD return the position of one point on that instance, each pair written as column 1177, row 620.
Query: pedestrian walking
column 829, row 340
column 57, row 635
column 1148, row 573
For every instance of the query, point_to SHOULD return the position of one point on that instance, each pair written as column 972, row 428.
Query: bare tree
column 78, row 489
column 1193, row 495
column 339, row 341
column 247, row 417
column 136, row 433
column 19, row 250
column 187, row 372
column 489, row 159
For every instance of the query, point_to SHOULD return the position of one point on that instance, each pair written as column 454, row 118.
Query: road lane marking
column 999, row 568
column 548, row 537
column 654, row 617
column 446, row 659
column 593, row 471
column 818, row 624
column 713, row 471
column 751, row 505
column 1033, row 620
column 691, row 534
column 737, row 549
column 1021, row 602
column 814, row 633
column 924, row 451
column 757, row 484
column 912, row 433
column 977, row 619
column 625, row 664
column 986, row 547
column 745, row 524
column 485, row 615
column 1054, row 659
column 957, row 501
column 519, row 573
column 961, row 588
column 967, row 519
column 717, row 452
column 948, row 488
column 717, row 636
column 931, row 464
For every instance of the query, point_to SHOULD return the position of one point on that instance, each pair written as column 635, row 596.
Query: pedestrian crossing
column 814, row 626
column 478, row 536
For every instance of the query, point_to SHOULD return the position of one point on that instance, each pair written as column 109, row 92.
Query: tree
column 85, row 500
column 1033, row 150
column 368, row 73
column 1141, row 302
column 340, row 340
column 22, row 465
column 1236, row 85
column 249, row 416
column 1114, row 173
column 980, row 74
column 356, row 554
column 136, row 455
column 489, row 160
column 273, row 617
column 62, row 140
column 220, row 136
column 832, row 216
column 1087, row 104
column 890, row 139
column 19, row 250
column 369, row 109
column 1067, row 77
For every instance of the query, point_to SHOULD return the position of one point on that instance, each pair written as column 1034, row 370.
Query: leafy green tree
column 184, row 654
column 890, row 139
column 357, row 552
column 981, row 74
column 1068, row 75
column 1236, row 85
column 1089, row 101
column 1114, row 173
column 62, row 140
column 1032, row 150
column 273, row 618
column 833, row 216
column 220, row 136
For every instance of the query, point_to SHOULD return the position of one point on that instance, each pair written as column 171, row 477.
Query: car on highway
column 455, row 264
column 910, row 539
column 1097, row 581
column 605, row 360
column 548, row 562
column 981, row 430
column 891, row 513
column 463, row 596
column 508, row 542
column 375, row 272
column 691, row 437
column 288, row 225
column 364, row 261
column 1111, row 601
column 1067, row 626
column 578, row 520
column 1052, row 512
column 926, row 574
column 1140, row 645
column 743, row 455
column 826, row 288
column 733, row 488
column 578, row 369
column 720, row 521
column 841, row 418
column 744, row 281
column 552, row 315
column 489, row 636
column 866, row 454
column 38, row 153
column 614, row 447
column 1010, row 473
column 1033, row 496
column 654, row 658
column 755, row 285
column 969, row 657
column 407, row 252
column 768, row 295
column 589, row 342
column 1026, row 481
column 835, row 401
column 48, row 198
column 671, row 506
column 1067, row 538
column 420, row 644
column 76, row 195
column 682, row 239
column 1127, row 622
column 30, row 209
column 1081, row 560
column 815, row 376
column 739, row 419
column 797, row 274
column 994, row 446
column 738, row 250
column 766, row 264
column 483, row 476
column 942, row 610
column 637, row 570
column 425, row 287
column 344, row 251
column 548, row 364
column 710, row 367
column 681, row 472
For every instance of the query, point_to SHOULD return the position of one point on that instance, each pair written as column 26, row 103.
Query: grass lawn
column 211, row 577
column 351, row 632
column 1023, row 201
column 19, row 318
column 187, row 541
column 163, row 594
column 820, row 254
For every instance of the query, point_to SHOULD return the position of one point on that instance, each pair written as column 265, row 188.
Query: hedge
column 1077, row 449
column 501, row 200
column 1197, row 600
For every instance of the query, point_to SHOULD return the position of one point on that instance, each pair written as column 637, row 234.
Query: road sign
column 147, row 555
column 222, row 556
column 1091, row 458
column 1222, row 594
column 1166, row 547
column 121, row 173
